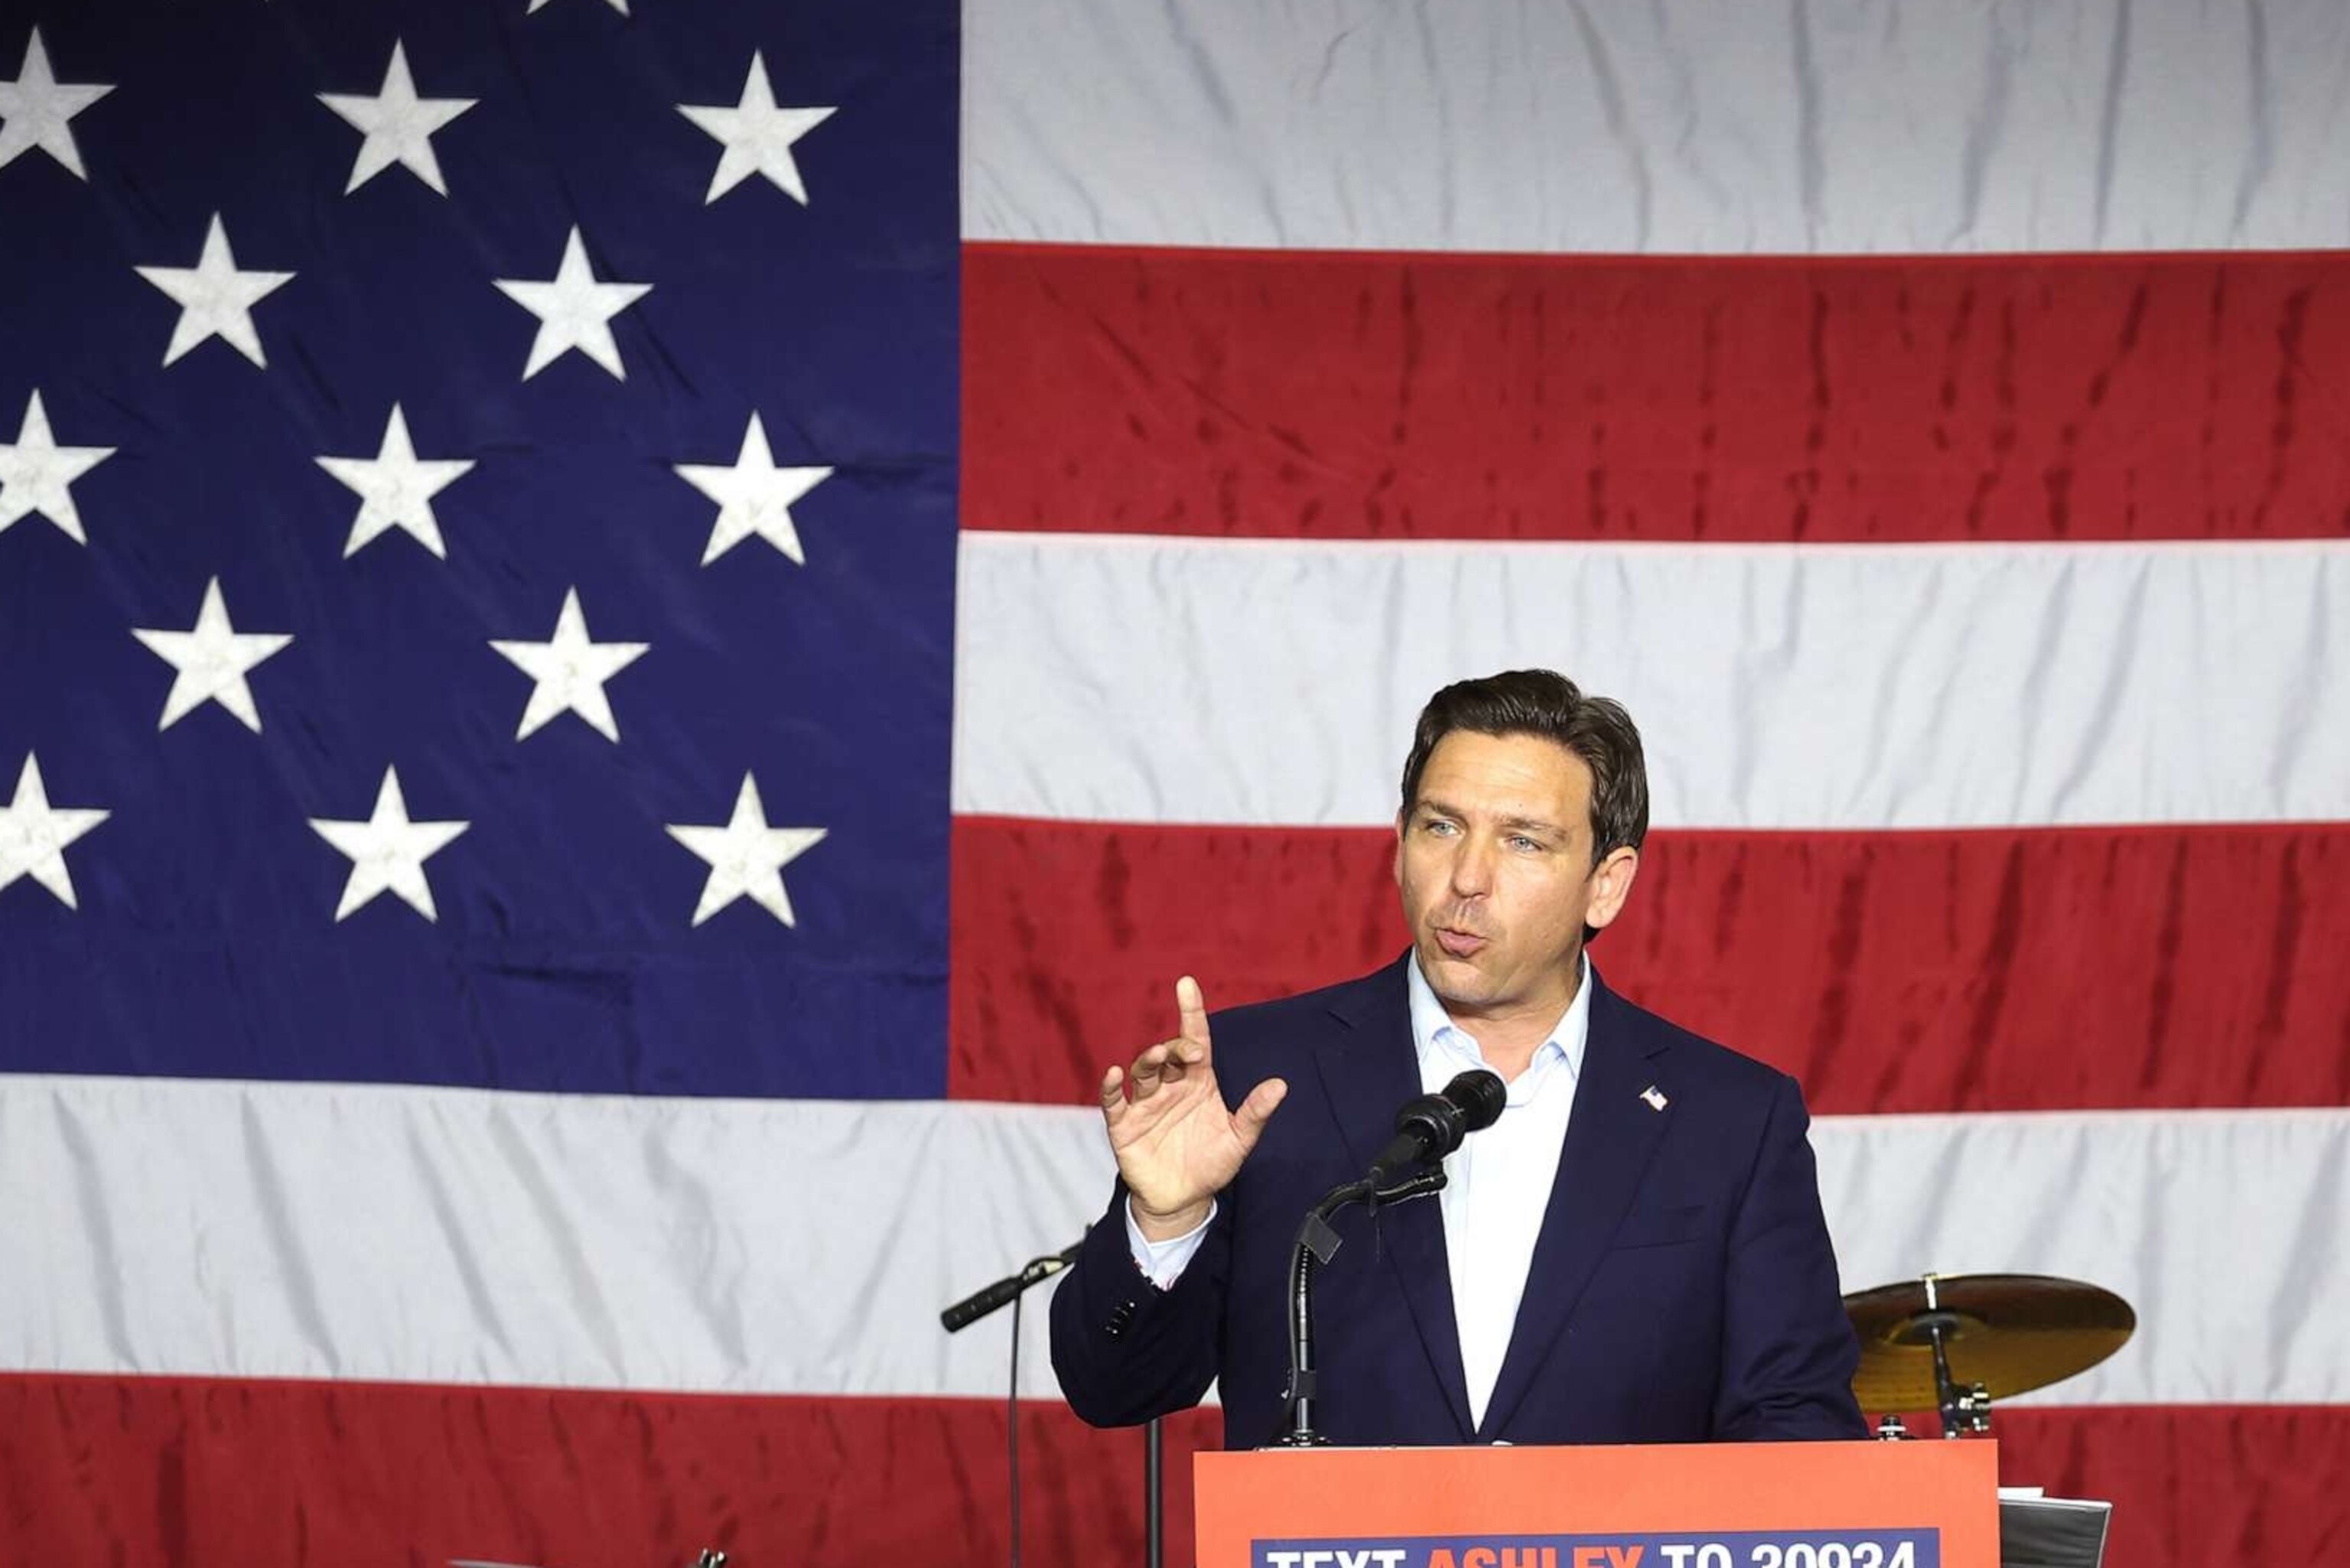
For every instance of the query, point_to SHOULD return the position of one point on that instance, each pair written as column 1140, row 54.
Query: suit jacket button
column 1119, row 1319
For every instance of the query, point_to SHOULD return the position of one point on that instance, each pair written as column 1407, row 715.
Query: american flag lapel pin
column 1655, row 1096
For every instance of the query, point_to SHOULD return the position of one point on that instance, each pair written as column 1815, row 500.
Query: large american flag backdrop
column 633, row 636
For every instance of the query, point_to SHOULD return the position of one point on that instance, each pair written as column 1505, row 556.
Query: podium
column 1726, row 1505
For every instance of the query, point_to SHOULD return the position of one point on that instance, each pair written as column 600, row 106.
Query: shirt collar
column 1440, row 1043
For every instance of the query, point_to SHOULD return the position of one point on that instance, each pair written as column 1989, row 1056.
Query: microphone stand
column 978, row 1305
column 1008, row 1291
column 1317, row 1243
column 1153, row 1503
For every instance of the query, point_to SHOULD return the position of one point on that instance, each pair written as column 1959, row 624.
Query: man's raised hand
column 1177, row 1146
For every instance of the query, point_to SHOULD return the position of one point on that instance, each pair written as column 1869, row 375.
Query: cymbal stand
column 1965, row 1412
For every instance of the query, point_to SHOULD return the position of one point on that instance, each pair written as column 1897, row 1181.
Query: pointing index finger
column 1194, row 1010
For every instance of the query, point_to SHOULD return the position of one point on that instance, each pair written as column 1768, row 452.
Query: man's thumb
column 1258, row 1108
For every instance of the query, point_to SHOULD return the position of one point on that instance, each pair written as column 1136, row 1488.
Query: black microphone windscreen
column 1481, row 1095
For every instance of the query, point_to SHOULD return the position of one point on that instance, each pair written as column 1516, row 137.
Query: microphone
column 1431, row 1127
column 979, row 1304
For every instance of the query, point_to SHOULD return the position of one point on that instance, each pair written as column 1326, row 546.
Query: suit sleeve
column 1124, row 1350
column 1788, row 1353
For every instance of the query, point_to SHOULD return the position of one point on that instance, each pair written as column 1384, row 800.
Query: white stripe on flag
column 279, row 1230
column 1131, row 679
column 2222, row 1228
column 454, row 1236
column 1718, row 126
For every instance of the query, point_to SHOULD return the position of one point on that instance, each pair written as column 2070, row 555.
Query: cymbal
column 2012, row 1333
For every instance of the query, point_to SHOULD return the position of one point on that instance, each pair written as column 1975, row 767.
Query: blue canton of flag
column 477, row 543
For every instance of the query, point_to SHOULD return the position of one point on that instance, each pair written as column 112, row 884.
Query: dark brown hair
column 1545, row 703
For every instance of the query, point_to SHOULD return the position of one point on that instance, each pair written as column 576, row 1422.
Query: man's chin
column 1453, row 979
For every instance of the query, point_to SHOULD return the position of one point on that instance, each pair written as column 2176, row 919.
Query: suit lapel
column 1611, row 1135
column 1367, row 1071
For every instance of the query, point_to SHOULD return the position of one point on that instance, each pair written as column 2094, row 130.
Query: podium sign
column 1722, row 1505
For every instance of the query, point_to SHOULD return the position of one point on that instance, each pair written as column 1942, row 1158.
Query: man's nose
column 1472, row 865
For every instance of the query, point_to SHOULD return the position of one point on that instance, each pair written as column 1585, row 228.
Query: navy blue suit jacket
column 1682, row 1288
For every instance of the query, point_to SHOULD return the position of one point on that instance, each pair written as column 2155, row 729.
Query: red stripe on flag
column 2192, row 1484
column 208, row 1473
column 1366, row 395
column 2055, row 969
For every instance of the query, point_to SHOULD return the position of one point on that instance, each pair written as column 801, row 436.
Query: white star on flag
column 33, row 835
column 573, row 310
column 538, row 6
column 570, row 671
column 215, row 299
column 37, row 473
column 38, row 110
column 396, row 488
column 753, row 496
column 387, row 851
column 212, row 658
column 398, row 125
column 757, row 137
column 746, row 856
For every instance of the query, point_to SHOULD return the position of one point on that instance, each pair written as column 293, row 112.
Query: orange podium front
column 1718, row 1505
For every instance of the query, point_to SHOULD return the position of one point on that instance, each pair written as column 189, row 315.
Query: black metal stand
column 1007, row 1291
column 1966, row 1412
column 1012, row 1430
column 1154, row 1535
column 1317, row 1243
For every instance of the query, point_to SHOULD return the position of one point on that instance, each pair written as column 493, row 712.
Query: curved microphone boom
column 1427, row 1130
column 1431, row 1127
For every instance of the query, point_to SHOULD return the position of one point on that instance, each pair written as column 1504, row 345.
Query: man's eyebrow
column 1445, row 808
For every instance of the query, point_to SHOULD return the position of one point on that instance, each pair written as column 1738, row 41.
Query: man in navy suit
column 1634, row 1252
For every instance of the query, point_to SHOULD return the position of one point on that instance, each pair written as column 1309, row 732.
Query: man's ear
column 1399, row 847
column 1611, row 886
